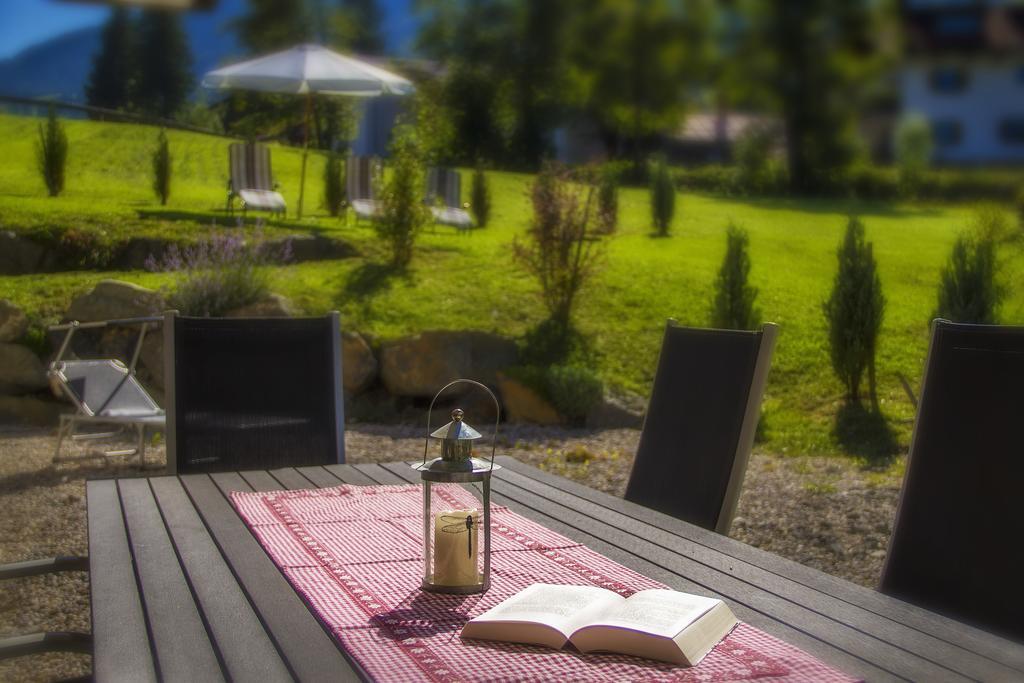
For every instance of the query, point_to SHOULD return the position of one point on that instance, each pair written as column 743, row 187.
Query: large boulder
column 301, row 248
column 420, row 365
column 617, row 412
column 523, row 404
column 19, row 255
column 274, row 306
column 29, row 410
column 21, row 371
column 358, row 364
column 114, row 299
column 13, row 322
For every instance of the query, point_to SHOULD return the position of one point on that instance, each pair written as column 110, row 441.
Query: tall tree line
column 517, row 69
column 144, row 64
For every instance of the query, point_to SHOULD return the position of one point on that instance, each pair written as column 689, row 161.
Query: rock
column 29, row 410
column 616, row 413
column 151, row 359
column 422, row 364
column 302, row 248
column 274, row 306
column 20, row 255
column 13, row 322
column 21, row 371
column 523, row 404
column 358, row 364
column 113, row 299
column 133, row 254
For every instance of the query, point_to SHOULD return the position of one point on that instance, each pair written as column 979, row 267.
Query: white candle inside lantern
column 455, row 547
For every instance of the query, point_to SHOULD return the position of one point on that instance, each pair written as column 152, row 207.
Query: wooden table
column 181, row 590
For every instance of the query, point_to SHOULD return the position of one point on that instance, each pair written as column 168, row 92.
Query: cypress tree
column 270, row 25
column 733, row 307
column 854, row 312
column 663, row 197
column 364, row 20
column 162, row 168
column 110, row 81
column 165, row 64
column 968, row 289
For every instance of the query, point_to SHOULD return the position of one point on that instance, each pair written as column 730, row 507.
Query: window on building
column 1011, row 131
column 947, row 132
column 948, row 79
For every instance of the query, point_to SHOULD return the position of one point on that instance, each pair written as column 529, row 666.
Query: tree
column 269, row 25
column 969, row 291
column 854, row 312
column 358, row 26
column 913, row 147
column 334, row 184
column 810, row 61
column 52, row 153
column 635, row 65
column 403, row 213
column 112, row 76
column 480, row 197
column 560, row 249
column 663, row 197
column 165, row 64
column 733, row 306
column 162, row 168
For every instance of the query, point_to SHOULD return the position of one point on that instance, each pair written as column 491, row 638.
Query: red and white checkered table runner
column 354, row 553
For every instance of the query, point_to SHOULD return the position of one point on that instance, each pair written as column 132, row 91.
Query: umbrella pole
column 305, row 150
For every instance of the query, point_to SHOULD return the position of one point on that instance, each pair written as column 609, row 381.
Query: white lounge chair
column 361, row 177
column 104, row 392
column 251, row 179
column 444, row 187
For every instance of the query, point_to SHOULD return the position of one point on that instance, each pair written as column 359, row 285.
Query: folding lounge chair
column 251, row 180
column 956, row 541
column 253, row 393
column 362, row 174
column 444, row 185
column 700, row 423
column 104, row 392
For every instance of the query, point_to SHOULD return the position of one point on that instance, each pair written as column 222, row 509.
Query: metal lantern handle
column 497, row 414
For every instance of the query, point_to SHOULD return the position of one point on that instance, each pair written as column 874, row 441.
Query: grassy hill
column 469, row 281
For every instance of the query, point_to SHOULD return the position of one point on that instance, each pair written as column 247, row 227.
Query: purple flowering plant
column 220, row 273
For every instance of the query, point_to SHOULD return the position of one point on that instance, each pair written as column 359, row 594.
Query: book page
column 564, row 608
column 659, row 612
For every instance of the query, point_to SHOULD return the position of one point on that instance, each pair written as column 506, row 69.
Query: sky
column 26, row 22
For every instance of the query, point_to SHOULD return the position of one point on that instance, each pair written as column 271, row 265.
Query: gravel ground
column 824, row 512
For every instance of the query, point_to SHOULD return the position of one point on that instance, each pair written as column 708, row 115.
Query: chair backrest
column 446, row 184
column 956, row 546
column 253, row 393
column 700, row 423
column 360, row 176
column 250, row 166
column 103, row 388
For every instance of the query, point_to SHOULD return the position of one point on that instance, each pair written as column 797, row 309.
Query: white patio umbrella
column 305, row 70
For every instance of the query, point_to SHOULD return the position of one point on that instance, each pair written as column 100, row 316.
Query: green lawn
column 470, row 281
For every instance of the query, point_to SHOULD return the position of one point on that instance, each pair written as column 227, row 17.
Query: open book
column 658, row 624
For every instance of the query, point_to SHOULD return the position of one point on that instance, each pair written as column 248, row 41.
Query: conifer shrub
column 854, row 312
column 969, row 289
column 52, row 153
column 480, row 197
column 663, row 197
column 733, row 307
column 403, row 213
column 162, row 168
column 334, row 184
column 607, row 202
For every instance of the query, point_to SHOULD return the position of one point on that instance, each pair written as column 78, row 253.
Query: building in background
column 964, row 72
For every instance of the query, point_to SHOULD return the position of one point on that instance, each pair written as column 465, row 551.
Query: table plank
column 183, row 648
column 963, row 636
column 120, row 638
column 320, row 477
column 259, row 480
column 349, row 474
column 910, row 640
column 381, row 475
column 245, row 648
column 310, row 653
column 291, row 479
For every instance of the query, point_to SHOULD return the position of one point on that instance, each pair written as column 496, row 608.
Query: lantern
column 452, row 561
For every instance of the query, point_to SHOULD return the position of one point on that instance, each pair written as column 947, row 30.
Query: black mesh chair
column 957, row 545
column 245, row 393
column 700, row 423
